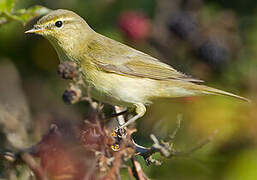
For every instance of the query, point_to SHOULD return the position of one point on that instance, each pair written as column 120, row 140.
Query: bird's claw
column 121, row 133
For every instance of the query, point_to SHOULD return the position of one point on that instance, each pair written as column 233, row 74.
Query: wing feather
column 114, row 57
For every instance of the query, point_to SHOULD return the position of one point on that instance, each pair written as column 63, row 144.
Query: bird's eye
column 58, row 24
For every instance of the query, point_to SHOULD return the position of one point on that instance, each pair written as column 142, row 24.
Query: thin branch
column 137, row 170
column 8, row 155
column 206, row 141
column 34, row 167
column 116, row 165
column 130, row 173
column 93, row 104
column 179, row 120
column 166, row 149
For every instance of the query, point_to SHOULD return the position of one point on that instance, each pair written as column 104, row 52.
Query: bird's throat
column 65, row 54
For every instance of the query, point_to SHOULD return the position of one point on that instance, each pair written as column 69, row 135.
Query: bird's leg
column 140, row 111
column 119, row 110
column 120, row 132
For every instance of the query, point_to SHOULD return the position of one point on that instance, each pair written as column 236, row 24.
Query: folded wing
column 114, row 57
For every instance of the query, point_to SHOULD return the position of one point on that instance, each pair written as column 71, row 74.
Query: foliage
column 8, row 13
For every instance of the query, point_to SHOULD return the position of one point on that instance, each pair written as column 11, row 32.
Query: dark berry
column 214, row 53
column 71, row 95
column 183, row 24
column 67, row 70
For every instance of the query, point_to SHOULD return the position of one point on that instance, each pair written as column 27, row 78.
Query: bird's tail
column 209, row 90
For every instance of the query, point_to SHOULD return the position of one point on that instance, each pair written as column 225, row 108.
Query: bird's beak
column 35, row 29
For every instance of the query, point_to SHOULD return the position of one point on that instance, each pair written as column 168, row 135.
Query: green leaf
column 7, row 5
column 25, row 15
column 3, row 20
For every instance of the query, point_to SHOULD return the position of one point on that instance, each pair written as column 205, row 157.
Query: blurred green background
column 215, row 41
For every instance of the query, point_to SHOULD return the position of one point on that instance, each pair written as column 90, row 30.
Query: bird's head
column 66, row 31
column 61, row 25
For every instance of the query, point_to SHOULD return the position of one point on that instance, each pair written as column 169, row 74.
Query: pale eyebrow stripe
column 66, row 19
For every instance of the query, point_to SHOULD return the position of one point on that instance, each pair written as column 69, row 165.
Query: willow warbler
column 117, row 74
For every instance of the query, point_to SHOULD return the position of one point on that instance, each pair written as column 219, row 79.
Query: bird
column 116, row 73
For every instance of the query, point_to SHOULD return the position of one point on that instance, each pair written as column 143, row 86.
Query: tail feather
column 210, row 90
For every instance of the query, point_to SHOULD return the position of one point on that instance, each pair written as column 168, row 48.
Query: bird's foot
column 121, row 133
